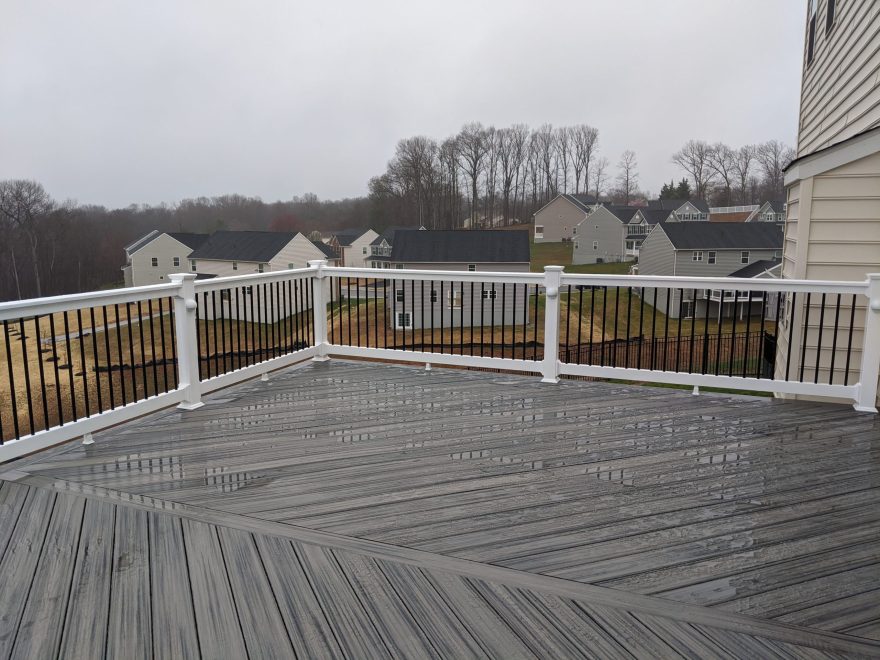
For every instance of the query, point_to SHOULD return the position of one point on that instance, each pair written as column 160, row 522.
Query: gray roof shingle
column 585, row 202
column 256, row 246
column 346, row 237
column 328, row 251
column 461, row 246
column 192, row 241
column 675, row 204
column 756, row 268
column 723, row 235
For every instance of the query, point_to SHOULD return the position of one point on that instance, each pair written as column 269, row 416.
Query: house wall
column 727, row 262
column 832, row 232
column 559, row 218
column 510, row 305
column 657, row 254
column 840, row 89
column 605, row 228
column 353, row 256
column 164, row 249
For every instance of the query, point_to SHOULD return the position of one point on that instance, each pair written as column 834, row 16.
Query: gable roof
column 723, row 235
column 258, row 246
column 346, row 237
column 192, row 241
column 388, row 234
column 328, row 251
column 584, row 202
column 675, row 204
column 776, row 205
column 461, row 246
column 756, row 268
column 653, row 216
column 141, row 242
column 623, row 213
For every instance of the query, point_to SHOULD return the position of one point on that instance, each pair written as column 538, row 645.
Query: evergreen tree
column 683, row 191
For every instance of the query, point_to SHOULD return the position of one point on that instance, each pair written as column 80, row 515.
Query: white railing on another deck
column 76, row 364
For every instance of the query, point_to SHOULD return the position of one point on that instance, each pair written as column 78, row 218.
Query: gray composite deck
column 361, row 510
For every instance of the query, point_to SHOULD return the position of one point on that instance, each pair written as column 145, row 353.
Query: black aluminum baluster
column 471, row 336
column 107, row 355
column 790, row 334
column 641, row 326
column 11, row 372
column 214, row 319
column 614, row 344
column 164, row 346
column 70, row 379
column 483, row 318
column 581, row 322
column 834, row 340
column 819, row 341
column 348, row 306
column 804, row 336
column 376, row 313
column 55, row 369
column 678, row 334
column 461, row 317
column 310, row 316
column 653, row 329
column 748, row 332
column 358, row 309
column 492, row 302
column 394, row 312
column 732, row 336
column 629, row 294
column 718, row 342
column 852, row 320
column 207, row 328
column 385, row 311
column 706, row 332
column 760, row 337
column 412, row 317
column 592, row 324
column 153, row 345
column 27, row 375
column 693, row 324
column 171, row 323
column 503, row 315
column 666, row 332
column 143, row 354
column 95, row 358
column 535, row 330
column 525, row 318
column 332, row 313
column 43, row 394
column 128, row 316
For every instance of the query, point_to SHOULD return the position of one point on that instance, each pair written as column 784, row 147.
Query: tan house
column 832, row 226
column 556, row 220
column 152, row 258
column 353, row 246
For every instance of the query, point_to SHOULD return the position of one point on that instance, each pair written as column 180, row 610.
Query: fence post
column 870, row 369
column 320, row 310
column 550, row 367
column 187, row 346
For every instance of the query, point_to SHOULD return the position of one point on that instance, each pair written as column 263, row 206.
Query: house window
column 399, row 266
column 489, row 294
column 154, row 262
column 595, row 245
column 711, row 257
column 289, row 266
column 811, row 32
column 398, row 295
column 472, row 268
column 234, row 265
column 453, row 298
column 539, row 231
column 829, row 17
column 175, row 261
column 404, row 320
column 225, row 294
column 433, row 295
column 744, row 257
column 697, row 256
column 248, row 290
column 365, row 250
column 261, row 268
column 574, row 231
column 192, row 265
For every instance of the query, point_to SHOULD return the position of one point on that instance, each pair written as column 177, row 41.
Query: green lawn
column 559, row 254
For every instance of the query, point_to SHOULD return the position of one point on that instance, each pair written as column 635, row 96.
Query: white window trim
column 744, row 257
column 697, row 255
column 472, row 268
column 406, row 316
column 712, row 258
column 175, row 261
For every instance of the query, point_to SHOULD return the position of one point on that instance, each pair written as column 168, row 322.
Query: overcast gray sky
column 113, row 102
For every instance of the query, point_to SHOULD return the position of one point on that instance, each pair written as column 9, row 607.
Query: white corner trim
column 835, row 156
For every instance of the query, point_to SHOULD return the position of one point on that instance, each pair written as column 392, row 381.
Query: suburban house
column 353, row 246
column 683, row 210
column 380, row 248
column 458, row 303
column 556, row 220
column 601, row 236
column 832, row 225
column 708, row 249
column 152, row 258
column 773, row 211
column 242, row 252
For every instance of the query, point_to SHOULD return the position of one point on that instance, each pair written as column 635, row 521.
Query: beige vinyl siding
column 840, row 94
column 353, row 255
column 607, row 230
column 657, row 254
column 559, row 218
column 163, row 248
column 832, row 233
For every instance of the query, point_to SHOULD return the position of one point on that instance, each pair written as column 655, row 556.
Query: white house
column 228, row 253
column 353, row 246
column 151, row 258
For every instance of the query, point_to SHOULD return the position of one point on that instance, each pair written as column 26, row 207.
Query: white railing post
column 320, row 308
column 187, row 346
column 870, row 369
column 550, row 367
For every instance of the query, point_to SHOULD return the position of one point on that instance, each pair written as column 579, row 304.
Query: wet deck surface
column 351, row 509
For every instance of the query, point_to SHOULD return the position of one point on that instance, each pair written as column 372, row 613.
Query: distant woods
column 481, row 177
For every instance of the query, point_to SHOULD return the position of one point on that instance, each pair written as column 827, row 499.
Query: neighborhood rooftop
column 675, row 204
column 756, row 268
column 722, row 235
column 461, row 246
column 328, row 250
column 256, row 246
column 348, row 236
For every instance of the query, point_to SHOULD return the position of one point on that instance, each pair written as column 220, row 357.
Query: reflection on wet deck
column 742, row 505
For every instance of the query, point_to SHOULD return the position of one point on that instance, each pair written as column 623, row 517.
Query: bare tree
column 744, row 159
column 586, row 141
column 472, row 154
column 694, row 158
column 564, row 151
column 23, row 204
column 546, row 152
column 511, row 154
column 600, row 176
column 627, row 176
column 722, row 161
column 774, row 157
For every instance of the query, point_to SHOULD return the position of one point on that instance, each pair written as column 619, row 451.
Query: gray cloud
column 121, row 102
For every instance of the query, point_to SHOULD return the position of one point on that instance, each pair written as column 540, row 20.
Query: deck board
column 742, row 504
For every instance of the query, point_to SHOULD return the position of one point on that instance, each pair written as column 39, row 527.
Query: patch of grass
column 550, row 254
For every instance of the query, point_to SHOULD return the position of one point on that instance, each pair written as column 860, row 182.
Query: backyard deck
column 351, row 509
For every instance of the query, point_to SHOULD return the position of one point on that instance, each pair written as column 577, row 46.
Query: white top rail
column 510, row 277
column 726, row 283
column 251, row 279
column 40, row 306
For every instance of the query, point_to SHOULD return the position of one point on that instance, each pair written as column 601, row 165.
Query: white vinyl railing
column 75, row 364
